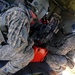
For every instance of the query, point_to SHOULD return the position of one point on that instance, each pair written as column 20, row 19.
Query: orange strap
column 39, row 54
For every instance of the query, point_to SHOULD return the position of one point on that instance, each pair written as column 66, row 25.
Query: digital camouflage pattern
column 60, row 58
column 18, row 23
column 17, row 52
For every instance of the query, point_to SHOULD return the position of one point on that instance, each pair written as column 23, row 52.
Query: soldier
column 16, row 19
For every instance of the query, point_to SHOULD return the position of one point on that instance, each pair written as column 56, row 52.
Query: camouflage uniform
column 59, row 58
column 18, row 22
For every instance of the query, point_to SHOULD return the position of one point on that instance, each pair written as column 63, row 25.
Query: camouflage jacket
column 18, row 22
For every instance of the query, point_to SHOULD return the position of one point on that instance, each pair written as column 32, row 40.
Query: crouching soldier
column 17, row 48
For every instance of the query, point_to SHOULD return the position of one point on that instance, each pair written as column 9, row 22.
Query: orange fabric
column 33, row 15
column 39, row 54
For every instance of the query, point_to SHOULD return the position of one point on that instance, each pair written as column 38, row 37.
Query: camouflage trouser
column 62, row 56
column 56, row 62
column 16, row 60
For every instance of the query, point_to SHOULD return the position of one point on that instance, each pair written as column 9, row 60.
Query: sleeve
column 18, row 29
column 68, row 46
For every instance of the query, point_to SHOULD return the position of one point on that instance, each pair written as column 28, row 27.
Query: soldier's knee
column 55, row 61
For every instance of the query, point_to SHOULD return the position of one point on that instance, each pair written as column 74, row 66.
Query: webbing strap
column 2, row 20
